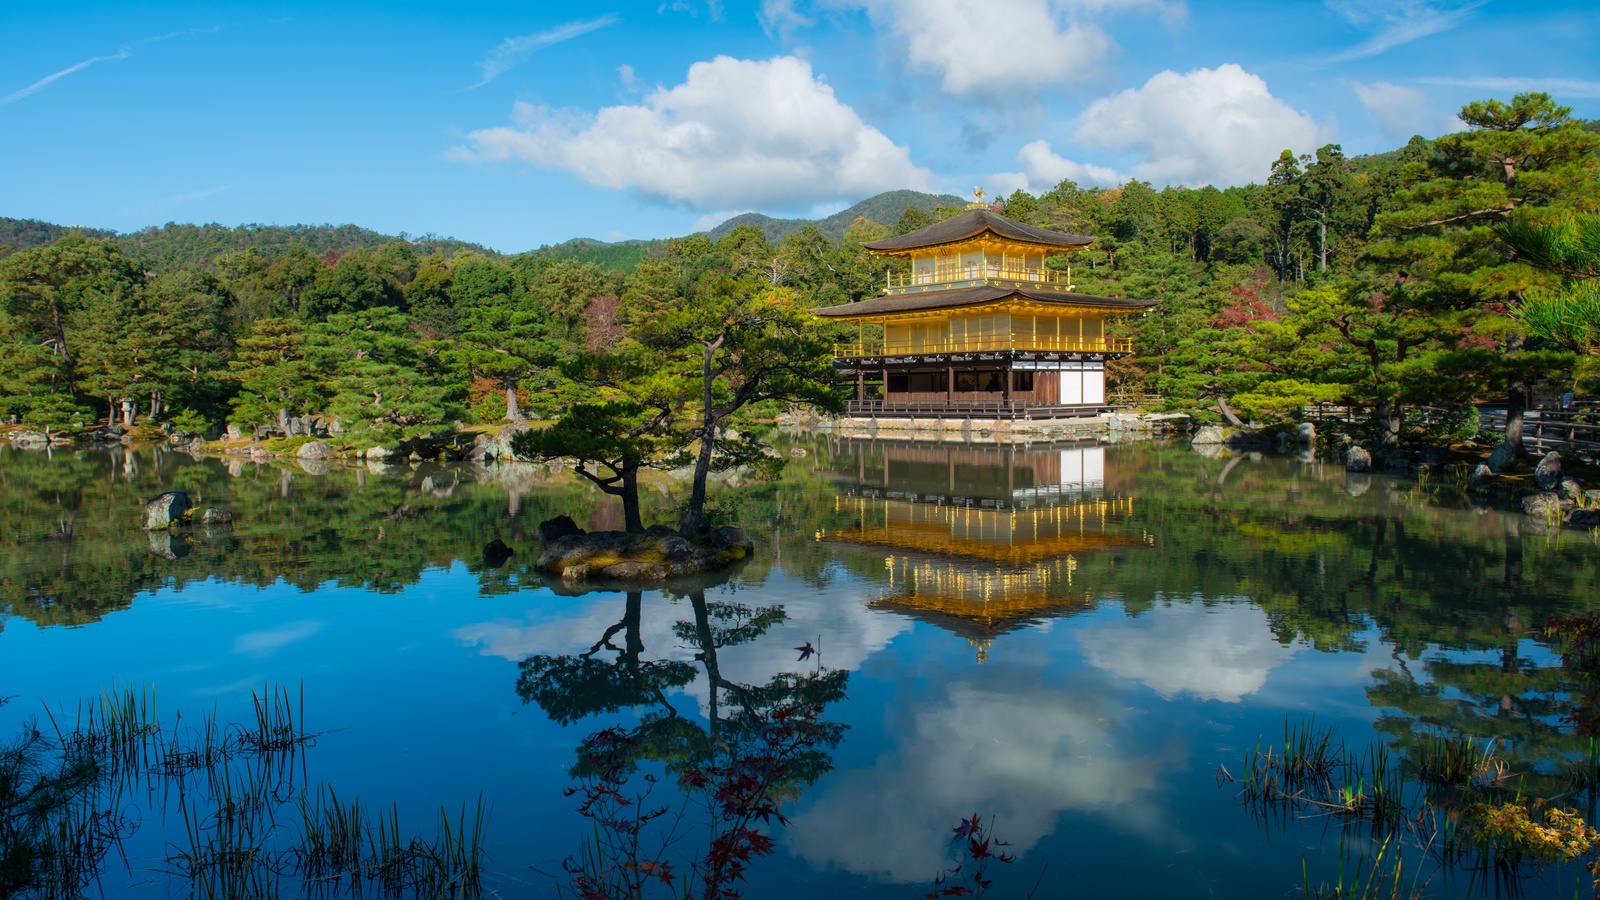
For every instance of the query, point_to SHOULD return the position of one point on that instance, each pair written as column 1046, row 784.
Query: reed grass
column 243, row 824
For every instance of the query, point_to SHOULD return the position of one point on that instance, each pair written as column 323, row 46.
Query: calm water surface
column 1069, row 640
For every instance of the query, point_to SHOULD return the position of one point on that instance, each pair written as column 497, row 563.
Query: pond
column 1084, row 646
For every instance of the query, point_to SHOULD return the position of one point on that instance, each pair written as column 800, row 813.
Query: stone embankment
column 1111, row 427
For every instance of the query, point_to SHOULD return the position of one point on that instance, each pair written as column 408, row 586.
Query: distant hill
column 885, row 209
column 174, row 246
column 621, row 256
column 24, row 233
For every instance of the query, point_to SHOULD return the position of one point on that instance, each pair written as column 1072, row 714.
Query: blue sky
column 517, row 125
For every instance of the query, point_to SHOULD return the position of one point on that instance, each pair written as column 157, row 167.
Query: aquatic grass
column 1456, row 760
column 224, row 789
column 1370, row 878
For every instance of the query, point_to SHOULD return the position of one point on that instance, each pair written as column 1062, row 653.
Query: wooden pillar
column 1006, row 384
column 861, row 383
column 950, row 385
column 884, row 372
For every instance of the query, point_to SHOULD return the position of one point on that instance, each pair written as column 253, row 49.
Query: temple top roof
column 971, row 224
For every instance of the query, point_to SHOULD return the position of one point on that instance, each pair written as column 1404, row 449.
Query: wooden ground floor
column 975, row 386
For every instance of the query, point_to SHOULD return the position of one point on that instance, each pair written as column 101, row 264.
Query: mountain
column 621, row 256
column 174, row 246
column 885, row 209
column 20, row 234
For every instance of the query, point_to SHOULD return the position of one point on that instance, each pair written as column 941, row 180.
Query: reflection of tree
column 568, row 688
column 757, row 748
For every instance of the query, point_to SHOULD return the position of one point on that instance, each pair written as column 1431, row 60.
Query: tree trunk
column 632, row 523
column 1516, row 409
column 283, row 420
column 513, row 412
column 1322, row 245
column 689, row 524
column 1389, row 416
column 1227, row 414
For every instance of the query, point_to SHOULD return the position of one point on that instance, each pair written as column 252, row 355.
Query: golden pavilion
column 978, row 326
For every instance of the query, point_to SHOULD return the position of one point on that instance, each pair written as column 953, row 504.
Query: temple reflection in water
column 979, row 540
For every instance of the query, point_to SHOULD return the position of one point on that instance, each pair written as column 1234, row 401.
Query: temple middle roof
column 975, row 296
column 972, row 223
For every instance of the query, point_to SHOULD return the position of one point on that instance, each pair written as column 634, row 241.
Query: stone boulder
column 168, row 546
column 1584, row 518
column 1209, row 434
column 502, row 441
column 1543, row 504
column 1571, row 489
column 1480, row 477
column 30, row 440
column 1547, row 474
column 496, row 553
column 618, row 556
column 552, row 530
column 214, row 516
column 730, row 538
column 166, row 510
column 1306, row 434
column 1503, row 459
column 314, row 450
column 1358, row 460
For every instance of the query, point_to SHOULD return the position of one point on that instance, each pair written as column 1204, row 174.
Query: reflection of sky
column 1021, row 754
column 1218, row 652
column 838, row 624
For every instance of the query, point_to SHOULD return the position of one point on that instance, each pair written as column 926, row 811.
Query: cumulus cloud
column 1396, row 22
column 514, row 51
column 1213, row 653
column 736, row 133
column 1043, row 169
column 1021, row 753
column 996, row 47
column 1403, row 111
column 1211, row 126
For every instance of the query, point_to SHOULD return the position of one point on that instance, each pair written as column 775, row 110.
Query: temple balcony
column 992, row 271
column 983, row 344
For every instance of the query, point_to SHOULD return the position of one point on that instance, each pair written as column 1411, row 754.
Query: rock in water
column 730, row 538
column 1540, row 504
column 314, row 450
column 213, row 516
column 552, row 530
column 1548, row 472
column 496, row 553
column 168, row 546
column 165, row 510
column 1584, row 518
column 1503, row 458
column 1358, row 460
column 1210, row 434
column 1306, row 434
column 1480, row 477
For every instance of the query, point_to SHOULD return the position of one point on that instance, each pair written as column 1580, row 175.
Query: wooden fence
column 1543, row 428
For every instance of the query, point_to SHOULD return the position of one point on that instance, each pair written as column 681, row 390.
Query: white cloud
column 1397, row 22
column 1043, row 169
column 514, row 51
column 1212, row 653
column 780, row 18
column 269, row 641
column 1021, row 754
column 1403, row 111
column 737, row 133
column 1560, row 87
column 123, row 53
column 997, row 47
column 1211, row 126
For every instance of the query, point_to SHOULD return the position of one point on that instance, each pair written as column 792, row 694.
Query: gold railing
column 981, row 344
column 973, row 271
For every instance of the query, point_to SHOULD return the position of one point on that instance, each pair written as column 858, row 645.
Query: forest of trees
column 1447, row 271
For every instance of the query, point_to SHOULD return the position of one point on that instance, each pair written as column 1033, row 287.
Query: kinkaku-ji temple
column 979, row 540
column 979, row 327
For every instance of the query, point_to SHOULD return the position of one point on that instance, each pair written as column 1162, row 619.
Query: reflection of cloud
column 1219, row 652
column 1019, row 754
column 265, row 643
column 842, row 628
